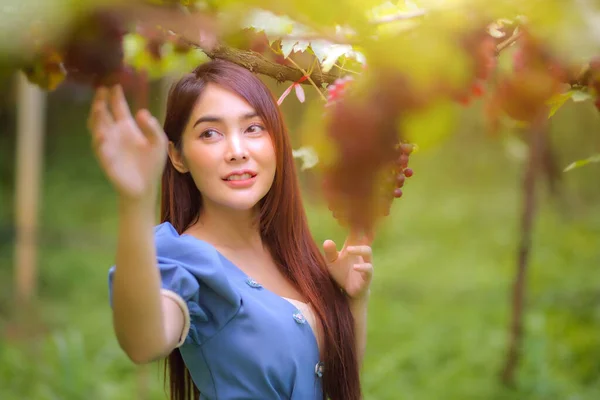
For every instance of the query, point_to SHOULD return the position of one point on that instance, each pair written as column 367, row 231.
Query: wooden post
column 31, row 104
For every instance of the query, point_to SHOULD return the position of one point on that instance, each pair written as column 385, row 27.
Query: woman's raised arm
column 132, row 153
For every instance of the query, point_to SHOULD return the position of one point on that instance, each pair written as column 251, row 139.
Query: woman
column 231, row 285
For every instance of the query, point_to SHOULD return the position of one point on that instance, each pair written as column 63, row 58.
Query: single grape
column 477, row 89
column 408, row 172
column 407, row 148
column 400, row 179
column 403, row 160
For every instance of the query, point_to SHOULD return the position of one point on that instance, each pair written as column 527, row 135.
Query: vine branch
column 256, row 62
column 310, row 80
column 506, row 43
column 199, row 30
column 515, row 338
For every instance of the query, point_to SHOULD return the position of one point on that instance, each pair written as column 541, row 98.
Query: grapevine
column 365, row 114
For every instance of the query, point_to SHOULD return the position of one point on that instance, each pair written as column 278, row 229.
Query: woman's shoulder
column 170, row 243
column 186, row 259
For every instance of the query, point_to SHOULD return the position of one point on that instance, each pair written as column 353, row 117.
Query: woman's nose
column 237, row 149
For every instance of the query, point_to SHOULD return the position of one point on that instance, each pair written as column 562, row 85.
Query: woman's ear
column 177, row 159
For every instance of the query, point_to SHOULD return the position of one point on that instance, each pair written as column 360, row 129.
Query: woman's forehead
column 221, row 102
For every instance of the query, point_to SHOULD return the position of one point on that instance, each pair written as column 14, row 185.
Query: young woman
column 230, row 285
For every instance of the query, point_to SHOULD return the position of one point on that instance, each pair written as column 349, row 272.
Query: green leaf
column 328, row 53
column 177, row 63
column 171, row 62
column 271, row 24
column 287, row 46
column 557, row 101
column 334, row 52
column 579, row 95
column 301, row 46
column 580, row 163
column 320, row 48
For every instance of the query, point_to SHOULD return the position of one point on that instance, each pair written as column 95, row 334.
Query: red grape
column 480, row 47
column 524, row 94
column 401, row 178
column 93, row 52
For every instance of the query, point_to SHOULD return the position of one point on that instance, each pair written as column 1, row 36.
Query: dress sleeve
column 192, row 275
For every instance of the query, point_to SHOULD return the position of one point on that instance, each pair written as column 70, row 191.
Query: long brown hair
column 283, row 227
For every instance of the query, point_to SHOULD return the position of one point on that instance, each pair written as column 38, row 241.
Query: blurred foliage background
column 445, row 260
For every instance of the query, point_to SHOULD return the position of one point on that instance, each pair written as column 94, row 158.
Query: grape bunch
column 93, row 51
column 394, row 177
column 481, row 48
column 537, row 75
column 371, row 163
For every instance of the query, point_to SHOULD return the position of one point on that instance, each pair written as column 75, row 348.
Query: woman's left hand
column 351, row 267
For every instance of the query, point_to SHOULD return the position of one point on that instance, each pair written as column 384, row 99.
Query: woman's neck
column 228, row 228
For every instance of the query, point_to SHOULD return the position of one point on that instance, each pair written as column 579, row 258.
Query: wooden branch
column 504, row 44
column 256, row 62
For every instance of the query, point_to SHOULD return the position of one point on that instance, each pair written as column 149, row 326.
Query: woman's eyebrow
column 212, row 118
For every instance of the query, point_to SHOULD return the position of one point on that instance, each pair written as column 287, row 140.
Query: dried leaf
column 285, row 94
column 300, row 92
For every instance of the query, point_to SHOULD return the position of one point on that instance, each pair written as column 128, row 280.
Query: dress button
column 299, row 317
column 252, row 283
column 319, row 368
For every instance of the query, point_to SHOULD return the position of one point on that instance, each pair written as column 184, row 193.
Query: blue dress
column 244, row 342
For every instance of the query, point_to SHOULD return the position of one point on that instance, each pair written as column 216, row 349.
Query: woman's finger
column 150, row 127
column 100, row 118
column 118, row 103
column 330, row 250
column 364, row 251
column 366, row 269
column 98, row 139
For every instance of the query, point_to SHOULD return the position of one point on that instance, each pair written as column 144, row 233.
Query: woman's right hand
column 132, row 152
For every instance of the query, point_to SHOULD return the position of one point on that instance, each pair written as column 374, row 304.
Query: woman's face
column 227, row 150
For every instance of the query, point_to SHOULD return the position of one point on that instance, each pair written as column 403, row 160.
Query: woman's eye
column 209, row 134
column 255, row 129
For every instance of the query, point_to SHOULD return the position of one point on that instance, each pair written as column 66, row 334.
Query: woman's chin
column 241, row 204
column 235, row 200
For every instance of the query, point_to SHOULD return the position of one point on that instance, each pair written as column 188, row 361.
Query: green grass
column 439, row 313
